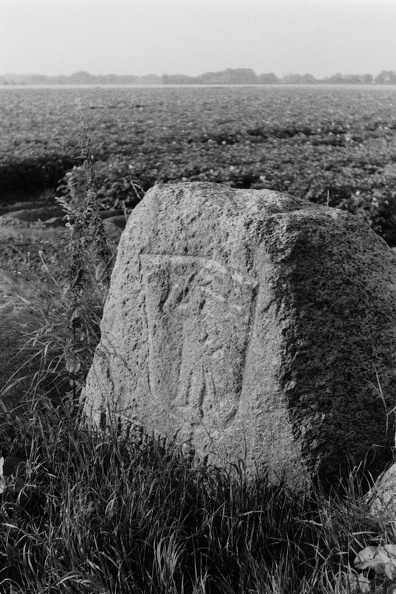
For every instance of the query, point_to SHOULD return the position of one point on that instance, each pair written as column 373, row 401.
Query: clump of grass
column 68, row 295
column 108, row 514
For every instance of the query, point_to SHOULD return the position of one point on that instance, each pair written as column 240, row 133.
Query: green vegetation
column 323, row 144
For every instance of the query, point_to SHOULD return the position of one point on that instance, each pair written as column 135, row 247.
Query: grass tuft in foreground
column 102, row 514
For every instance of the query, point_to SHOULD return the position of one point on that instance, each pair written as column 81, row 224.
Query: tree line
column 244, row 76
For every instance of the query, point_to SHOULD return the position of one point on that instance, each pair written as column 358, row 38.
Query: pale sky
column 321, row 37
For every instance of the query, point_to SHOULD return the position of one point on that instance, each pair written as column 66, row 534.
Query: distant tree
column 367, row 79
column 176, row 79
column 60, row 80
column 380, row 79
column 149, row 79
column 386, row 77
column 230, row 76
column 81, row 77
column 299, row 79
column 308, row 79
column 349, row 79
column 39, row 79
column 334, row 79
column 268, row 78
column 352, row 79
column 391, row 77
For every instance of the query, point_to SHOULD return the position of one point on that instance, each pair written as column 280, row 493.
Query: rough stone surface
column 382, row 497
column 250, row 324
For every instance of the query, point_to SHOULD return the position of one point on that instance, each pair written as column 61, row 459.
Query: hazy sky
column 321, row 37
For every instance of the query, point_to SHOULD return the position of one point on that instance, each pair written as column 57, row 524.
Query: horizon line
column 208, row 72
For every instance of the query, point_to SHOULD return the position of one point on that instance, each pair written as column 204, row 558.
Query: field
column 330, row 145
column 98, row 513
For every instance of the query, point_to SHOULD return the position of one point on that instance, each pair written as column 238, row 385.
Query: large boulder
column 250, row 325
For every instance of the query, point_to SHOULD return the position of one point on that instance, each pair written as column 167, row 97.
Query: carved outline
column 236, row 275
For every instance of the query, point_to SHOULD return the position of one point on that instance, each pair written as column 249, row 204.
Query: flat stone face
column 199, row 318
column 250, row 325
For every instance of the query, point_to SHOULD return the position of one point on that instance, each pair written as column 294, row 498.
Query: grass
column 104, row 513
column 100, row 512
